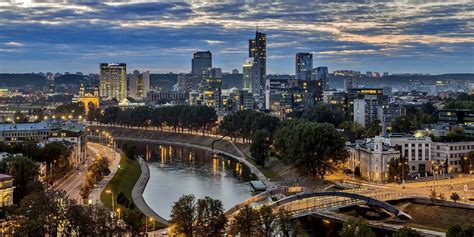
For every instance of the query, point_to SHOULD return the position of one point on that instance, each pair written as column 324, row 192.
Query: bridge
column 309, row 202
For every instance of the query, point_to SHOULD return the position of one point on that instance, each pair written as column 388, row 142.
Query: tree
column 467, row 162
column 454, row 231
column 455, row 197
column 356, row 227
column 406, row 232
column 210, row 218
column 324, row 113
column 245, row 222
column 266, row 220
column 260, row 147
column 315, row 149
column 358, row 130
column 131, row 151
column 404, row 124
column 25, row 173
column 182, row 215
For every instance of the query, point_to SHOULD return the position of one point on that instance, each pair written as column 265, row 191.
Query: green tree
column 404, row 124
column 25, row 173
column 467, row 162
column 455, row 197
column 266, row 220
column 260, row 147
column 358, row 130
column 315, row 149
column 406, row 232
column 182, row 215
column 210, row 218
column 356, row 227
column 324, row 113
column 454, row 231
column 245, row 223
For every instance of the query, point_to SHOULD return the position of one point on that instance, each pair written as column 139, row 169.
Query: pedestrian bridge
column 305, row 202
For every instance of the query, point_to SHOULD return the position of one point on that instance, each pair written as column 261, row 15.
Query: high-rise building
column 211, row 88
column 200, row 62
column 258, row 51
column 303, row 66
column 113, row 80
column 139, row 85
column 322, row 74
column 247, row 69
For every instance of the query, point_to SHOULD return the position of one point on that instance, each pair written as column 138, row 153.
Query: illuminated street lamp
column 118, row 211
column 113, row 200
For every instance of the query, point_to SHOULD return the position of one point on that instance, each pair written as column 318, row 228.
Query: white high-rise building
column 248, row 82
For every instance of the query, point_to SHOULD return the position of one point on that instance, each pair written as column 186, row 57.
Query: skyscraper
column 202, row 60
column 139, row 85
column 247, row 70
column 322, row 74
column 113, row 80
column 303, row 66
column 258, row 51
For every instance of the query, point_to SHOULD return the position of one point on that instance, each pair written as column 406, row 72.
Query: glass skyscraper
column 303, row 66
column 200, row 62
column 258, row 51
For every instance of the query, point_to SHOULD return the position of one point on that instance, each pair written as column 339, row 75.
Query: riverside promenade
column 137, row 193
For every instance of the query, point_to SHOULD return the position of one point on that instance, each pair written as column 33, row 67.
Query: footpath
column 114, row 161
column 137, row 193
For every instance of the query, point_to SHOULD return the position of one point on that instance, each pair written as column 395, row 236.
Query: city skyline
column 162, row 37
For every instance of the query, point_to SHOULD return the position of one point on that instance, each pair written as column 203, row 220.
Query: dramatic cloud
column 394, row 36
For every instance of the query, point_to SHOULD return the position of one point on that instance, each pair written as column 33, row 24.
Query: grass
column 123, row 181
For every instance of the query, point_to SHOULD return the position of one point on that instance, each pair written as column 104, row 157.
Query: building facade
column 88, row 99
column 322, row 74
column 303, row 66
column 417, row 150
column 113, row 80
column 201, row 61
column 447, row 156
column 258, row 51
column 372, row 159
column 247, row 78
column 6, row 190
column 139, row 85
column 22, row 132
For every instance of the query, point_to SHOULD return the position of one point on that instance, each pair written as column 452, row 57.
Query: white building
column 372, row 158
column 447, row 155
column 21, row 132
column 416, row 149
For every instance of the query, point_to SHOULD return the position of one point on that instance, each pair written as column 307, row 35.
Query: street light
column 118, row 211
column 113, row 200
column 152, row 220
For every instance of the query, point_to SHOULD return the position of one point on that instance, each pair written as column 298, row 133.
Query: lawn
column 123, row 181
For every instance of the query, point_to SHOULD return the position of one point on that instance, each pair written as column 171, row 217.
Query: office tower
column 202, row 60
column 322, row 74
column 258, row 51
column 113, row 80
column 139, row 85
column 247, row 70
column 303, row 66
column 211, row 88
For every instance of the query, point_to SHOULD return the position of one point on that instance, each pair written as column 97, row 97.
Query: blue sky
column 395, row 36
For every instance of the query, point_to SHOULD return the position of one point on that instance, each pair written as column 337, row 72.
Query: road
column 73, row 183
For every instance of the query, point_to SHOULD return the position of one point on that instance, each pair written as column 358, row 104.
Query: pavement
column 114, row 161
column 73, row 182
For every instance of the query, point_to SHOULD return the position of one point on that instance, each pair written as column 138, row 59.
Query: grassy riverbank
column 123, row 181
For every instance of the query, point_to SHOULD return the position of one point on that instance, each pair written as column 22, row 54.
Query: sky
column 388, row 36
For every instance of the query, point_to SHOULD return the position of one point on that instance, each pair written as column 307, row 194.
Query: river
column 175, row 171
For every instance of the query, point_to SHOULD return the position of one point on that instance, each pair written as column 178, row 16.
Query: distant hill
column 21, row 80
column 163, row 80
column 74, row 79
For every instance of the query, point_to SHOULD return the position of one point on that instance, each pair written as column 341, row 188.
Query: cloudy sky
column 394, row 36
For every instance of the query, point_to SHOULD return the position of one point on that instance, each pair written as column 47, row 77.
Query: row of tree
column 180, row 117
column 205, row 217
column 95, row 173
column 243, row 124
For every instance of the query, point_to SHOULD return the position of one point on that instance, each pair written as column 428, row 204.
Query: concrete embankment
column 137, row 193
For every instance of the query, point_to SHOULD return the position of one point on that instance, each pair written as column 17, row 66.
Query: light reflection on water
column 175, row 171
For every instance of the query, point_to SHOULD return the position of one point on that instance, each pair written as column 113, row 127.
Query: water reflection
column 175, row 171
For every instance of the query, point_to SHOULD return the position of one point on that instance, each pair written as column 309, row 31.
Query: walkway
column 137, row 193
column 114, row 161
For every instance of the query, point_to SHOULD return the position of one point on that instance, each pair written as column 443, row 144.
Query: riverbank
column 137, row 193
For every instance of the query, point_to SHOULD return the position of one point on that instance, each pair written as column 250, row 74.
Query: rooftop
column 4, row 177
column 25, row 126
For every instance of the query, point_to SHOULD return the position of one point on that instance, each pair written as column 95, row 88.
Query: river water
column 175, row 171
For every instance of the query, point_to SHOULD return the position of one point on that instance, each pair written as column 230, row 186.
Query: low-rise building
column 447, row 156
column 372, row 159
column 73, row 136
column 22, row 132
column 6, row 190
column 417, row 150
